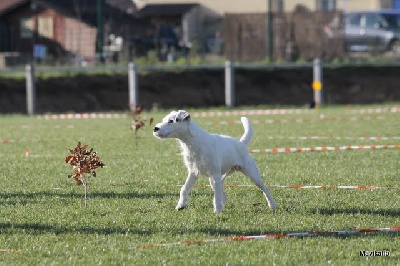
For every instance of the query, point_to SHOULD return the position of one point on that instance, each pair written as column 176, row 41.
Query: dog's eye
column 170, row 121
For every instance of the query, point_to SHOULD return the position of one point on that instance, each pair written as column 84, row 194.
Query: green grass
column 131, row 202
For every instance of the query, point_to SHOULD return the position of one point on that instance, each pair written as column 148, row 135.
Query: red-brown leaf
column 138, row 110
column 68, row 159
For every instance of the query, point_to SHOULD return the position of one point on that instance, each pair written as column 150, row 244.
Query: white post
column 30, row 89
column 133, row 86
column 229, row 84
column 317, row 82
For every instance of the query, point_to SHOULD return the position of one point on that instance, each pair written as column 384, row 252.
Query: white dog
column 215, row 156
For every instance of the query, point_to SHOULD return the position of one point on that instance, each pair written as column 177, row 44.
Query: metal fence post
column 317, row 82
column 133, row 86
column 229, row 84
column 30, row 89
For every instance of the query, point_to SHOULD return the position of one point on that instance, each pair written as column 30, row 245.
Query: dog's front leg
column 224, row 199
column 219, row 197
column 189, row 183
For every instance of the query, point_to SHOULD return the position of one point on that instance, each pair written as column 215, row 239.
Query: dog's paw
column 273, row 205
column 180, row 207
column 218, row 208
column 217, row 212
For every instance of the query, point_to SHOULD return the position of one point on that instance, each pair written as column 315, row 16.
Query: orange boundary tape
column 82, row 116
column 275, row 236
column 325, row 148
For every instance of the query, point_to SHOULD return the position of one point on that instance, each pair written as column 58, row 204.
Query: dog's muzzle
column 156, row 132
column 160, row 132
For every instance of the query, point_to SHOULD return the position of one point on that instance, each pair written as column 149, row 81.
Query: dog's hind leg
column 251, row 170
column 184, row 194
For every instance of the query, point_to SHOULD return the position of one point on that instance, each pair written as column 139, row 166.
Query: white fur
column 215, row 156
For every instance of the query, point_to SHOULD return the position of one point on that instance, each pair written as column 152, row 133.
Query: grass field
column 43, row 220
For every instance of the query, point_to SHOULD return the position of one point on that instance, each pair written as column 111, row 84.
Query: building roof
column 85, row 10
column 8, row 5
column 71, row 6
column 166, row 9
column 90, row 6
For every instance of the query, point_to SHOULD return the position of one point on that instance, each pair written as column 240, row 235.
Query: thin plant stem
column 136, row 137
column 85, row 187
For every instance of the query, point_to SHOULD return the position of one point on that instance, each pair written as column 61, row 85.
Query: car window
column 392, row 20
column 372, row 21
column 353, row 19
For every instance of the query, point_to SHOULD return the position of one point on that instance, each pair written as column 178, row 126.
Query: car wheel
column 395, row 46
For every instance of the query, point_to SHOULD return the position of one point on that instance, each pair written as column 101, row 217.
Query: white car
column 368, row 31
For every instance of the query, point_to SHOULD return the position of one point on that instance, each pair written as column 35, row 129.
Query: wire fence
column 294, row 35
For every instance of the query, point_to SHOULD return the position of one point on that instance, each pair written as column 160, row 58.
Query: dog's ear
column 186, row 117
column 183, row 116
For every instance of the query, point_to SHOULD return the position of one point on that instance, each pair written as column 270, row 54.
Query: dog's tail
column 248, row 130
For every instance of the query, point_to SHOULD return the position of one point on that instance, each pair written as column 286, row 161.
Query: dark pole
column 100, row 31
column 270, row 40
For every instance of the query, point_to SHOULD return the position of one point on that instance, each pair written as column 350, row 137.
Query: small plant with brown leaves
column 84, row 164
column 137, row 121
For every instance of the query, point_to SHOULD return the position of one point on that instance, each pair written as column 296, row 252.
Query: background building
column 89, row 31
column 253, row 6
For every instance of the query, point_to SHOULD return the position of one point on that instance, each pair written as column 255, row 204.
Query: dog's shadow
column 329, row 234
column 17, row 198
column 320, row 211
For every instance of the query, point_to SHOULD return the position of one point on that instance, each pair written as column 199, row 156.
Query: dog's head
column 174, row 125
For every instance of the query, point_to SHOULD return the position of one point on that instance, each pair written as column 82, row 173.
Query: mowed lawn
column 132, row 201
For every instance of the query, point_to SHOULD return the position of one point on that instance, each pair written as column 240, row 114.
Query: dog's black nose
column 156, row 129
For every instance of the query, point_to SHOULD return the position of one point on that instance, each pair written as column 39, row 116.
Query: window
column 326, row 5
column 26, row 27
column 392, row 20
column 386, row 4
column 45, row 27
column 372, row 21
column 278, row 6
column 353, row 20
